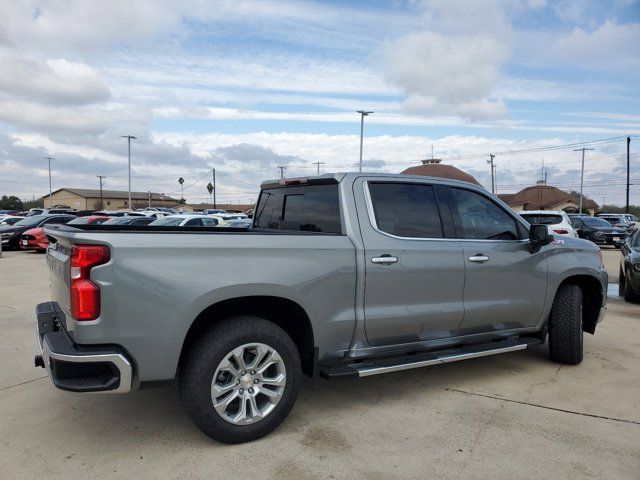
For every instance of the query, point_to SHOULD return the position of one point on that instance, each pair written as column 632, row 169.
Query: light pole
column 50, row 198
column 363, row 113
column 282, row 169
column 129, row 138
column 583, row 149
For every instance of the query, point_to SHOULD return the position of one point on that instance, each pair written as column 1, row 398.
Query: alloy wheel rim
column 248, row 383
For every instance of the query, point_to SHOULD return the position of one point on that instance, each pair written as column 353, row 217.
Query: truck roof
column 338, row 177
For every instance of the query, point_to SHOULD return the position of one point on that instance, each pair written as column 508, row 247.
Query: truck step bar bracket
column 425, row 359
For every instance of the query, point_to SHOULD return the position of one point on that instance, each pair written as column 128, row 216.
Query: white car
column 557, row 221
column 153, row 213
column 186, row 221
column 224, row 219
column 9, row 219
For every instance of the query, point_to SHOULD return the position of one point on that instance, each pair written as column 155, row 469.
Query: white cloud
column 609, row 45
column 447, row 75
column 78, row 25
column 55, row 81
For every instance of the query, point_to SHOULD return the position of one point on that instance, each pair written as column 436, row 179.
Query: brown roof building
column 545, row 197
column 433, row 168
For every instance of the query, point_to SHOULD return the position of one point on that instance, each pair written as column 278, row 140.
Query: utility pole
column 317, row 164
column 129, row 138
column 626, row 209
column 50, row 198
column 493, row 178
column 282, row 169
column 583, row 149
column 101, row 203
column 363, row 113
column 214, row 187
column 149, row 198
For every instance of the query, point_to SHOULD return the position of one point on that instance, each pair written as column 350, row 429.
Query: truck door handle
column 384, row 260
column 478, row 258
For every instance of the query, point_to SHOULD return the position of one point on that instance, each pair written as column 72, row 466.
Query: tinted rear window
column 312, row 208
column 406, row 209
column 541, row 219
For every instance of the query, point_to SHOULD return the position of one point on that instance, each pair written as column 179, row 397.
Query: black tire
column 200, row 364
column 621, row 284
column 565, row 326
column 628, row 293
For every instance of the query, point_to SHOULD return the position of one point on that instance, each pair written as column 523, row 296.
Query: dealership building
column 87, row 199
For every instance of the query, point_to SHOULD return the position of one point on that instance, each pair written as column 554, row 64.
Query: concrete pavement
column 509, row 416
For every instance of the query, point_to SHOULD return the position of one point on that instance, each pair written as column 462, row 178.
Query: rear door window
column 542, row 219
column 478, row 217
column 406, row 210
column 310, row 208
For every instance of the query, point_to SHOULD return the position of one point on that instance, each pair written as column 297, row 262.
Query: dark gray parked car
column 344, row 275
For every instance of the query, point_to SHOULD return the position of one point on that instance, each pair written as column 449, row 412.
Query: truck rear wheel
column 240, row 379
column 565, row 326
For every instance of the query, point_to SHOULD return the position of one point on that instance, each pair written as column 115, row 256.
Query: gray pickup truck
column 342, row 275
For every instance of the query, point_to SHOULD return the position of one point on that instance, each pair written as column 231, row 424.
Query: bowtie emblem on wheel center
column 245, row 381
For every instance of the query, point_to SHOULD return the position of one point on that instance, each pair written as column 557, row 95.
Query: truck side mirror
column 539, row 237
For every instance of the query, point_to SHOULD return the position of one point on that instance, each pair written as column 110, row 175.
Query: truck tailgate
column 58, row 262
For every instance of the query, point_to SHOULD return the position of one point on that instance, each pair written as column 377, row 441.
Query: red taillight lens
column 564, row 232
column 85, row 295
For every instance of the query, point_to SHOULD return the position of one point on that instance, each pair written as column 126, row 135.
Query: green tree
column 11, row 203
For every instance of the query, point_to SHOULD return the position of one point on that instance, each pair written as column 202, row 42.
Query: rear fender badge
column 557, row 242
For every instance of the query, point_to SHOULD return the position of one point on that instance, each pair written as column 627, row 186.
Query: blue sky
column 244, row 86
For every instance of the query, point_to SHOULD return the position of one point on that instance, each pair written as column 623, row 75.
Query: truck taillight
column 85, row 295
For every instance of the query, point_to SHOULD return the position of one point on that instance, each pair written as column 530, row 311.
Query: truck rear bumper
column 78, row 368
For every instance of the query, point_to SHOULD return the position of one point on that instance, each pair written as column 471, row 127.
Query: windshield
column 541, row 219
column 31, row 221
column 595, row 222
column 635, row 241
column 167, row 222
column 80, row 221
column 120, row 221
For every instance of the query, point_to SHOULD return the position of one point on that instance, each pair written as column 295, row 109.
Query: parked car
column 129, row 220
column 558, row 222
column 619, row 220
column 237, row 317
column 223, row 220
column 6, row 213
column 629, row 277
column 10, row 234
column 89, row 220
column 34, row 239
column 51, row 211
column 10, row 219
column 214, row 211
column 118, row 213
column 185, row 220
column 599, row 231
column 240, row 223
column 155, row 214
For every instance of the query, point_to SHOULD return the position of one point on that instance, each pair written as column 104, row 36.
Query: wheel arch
column 592, row 298
column 284, row 312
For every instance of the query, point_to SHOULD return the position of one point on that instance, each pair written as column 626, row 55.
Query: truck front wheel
column 240, row 379
column 565, row 326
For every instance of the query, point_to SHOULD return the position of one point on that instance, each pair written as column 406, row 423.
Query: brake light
column 293, row 181
column 561, row 231
column 85, row 295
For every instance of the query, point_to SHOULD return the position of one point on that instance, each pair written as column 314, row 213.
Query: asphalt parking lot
column 508, row 416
